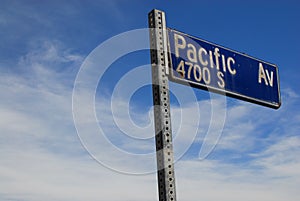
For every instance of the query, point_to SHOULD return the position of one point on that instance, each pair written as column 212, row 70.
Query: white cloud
column 42, row 158
column 216, row 181
column 281, row 159
column 38, row 175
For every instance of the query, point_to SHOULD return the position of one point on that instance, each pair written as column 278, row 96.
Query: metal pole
column 161, row 101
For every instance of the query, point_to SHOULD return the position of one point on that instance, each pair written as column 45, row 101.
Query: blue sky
column 56, row 143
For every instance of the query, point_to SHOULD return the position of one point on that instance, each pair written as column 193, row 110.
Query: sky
column 76, row 120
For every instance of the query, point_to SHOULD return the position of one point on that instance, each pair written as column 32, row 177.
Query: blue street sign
column 208, row 66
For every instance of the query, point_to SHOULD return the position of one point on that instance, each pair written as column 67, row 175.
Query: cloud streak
column 43, row 159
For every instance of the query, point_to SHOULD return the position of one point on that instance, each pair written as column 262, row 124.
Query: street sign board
column 208, row 66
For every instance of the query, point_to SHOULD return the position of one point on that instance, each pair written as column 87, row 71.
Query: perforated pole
column 161, row 101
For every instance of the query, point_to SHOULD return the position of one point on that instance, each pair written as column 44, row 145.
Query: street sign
column 208, row 66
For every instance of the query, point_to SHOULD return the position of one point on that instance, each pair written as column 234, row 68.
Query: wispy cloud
column 41, row 155
column 43, row 159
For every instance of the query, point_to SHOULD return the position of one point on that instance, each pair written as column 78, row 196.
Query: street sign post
column 161, row 101
column 208, row 66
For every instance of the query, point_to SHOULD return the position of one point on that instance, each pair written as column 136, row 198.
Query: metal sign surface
column 208, row 66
